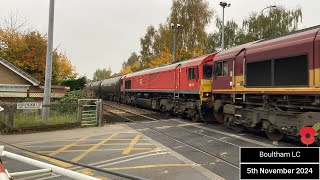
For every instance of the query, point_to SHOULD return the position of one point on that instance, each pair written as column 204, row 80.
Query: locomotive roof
column 269, row 42
column 191, row 62
column 232, row 52
column 298, row 37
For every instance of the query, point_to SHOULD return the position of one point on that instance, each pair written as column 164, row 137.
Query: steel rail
column 175, row 139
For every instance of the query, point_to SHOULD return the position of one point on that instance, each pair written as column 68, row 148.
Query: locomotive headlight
column 206, row 94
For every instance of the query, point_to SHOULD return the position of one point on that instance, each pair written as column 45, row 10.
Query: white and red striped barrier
column 3, row 173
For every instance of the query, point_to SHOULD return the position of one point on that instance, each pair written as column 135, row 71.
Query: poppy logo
column 307, row 134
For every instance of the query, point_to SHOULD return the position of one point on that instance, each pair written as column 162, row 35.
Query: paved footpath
column 112, row 147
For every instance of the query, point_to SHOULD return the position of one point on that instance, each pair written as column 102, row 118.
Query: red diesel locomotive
column 180, row 88
column 270, row 85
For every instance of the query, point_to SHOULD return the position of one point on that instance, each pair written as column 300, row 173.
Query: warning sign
column 29, row 105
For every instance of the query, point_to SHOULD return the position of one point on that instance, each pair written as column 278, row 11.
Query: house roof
column 18, row 71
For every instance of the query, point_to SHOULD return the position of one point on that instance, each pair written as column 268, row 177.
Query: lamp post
column 175, row 28
column 223, row 4
column 47, row 85
column 268, row 7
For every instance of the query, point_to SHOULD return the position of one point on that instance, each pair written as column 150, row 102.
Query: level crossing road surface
column 112, row 147
column 168, row 148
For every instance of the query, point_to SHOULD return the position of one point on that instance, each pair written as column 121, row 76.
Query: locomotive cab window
column 222, row 68
column 127, row 84
column 191, row 73
column 207, row 71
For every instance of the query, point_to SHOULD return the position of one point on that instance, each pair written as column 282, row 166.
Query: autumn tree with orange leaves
column 157, row 43
column 26, row 49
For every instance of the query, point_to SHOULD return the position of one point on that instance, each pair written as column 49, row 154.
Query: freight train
column 270, row 85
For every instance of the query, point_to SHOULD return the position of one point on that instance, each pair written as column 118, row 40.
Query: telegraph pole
column 47, row 85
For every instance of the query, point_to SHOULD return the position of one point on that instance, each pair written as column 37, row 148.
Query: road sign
column 1, row 109
column 29, row 105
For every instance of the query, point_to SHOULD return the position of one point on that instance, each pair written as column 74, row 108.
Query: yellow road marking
column 103, row 178
column 66, row 147
column 109, row 144
column 87, row 172
column 68, row 151
column 126, row 139
column 96, row 146
column 54, row 161
column 132, row 143
column 152, row 166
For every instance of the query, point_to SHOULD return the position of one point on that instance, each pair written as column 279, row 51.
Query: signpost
column 29, row 105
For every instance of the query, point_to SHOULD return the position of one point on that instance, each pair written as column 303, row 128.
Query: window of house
column 222, row 68
column 191, row 73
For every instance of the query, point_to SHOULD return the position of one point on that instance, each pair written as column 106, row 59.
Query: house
column 15, row 83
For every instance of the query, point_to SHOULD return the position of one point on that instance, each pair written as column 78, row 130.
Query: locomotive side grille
column 283, row 72
column 292, row 71
column 259, row 74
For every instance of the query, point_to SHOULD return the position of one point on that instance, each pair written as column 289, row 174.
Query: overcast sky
column 102, row 33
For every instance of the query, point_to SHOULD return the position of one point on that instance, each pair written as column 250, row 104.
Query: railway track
column 228, row 160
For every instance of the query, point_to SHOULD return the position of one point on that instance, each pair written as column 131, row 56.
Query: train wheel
column 275, row 135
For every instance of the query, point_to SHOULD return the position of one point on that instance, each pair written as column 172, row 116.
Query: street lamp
column 268, row 7
column 223, row 4
column 175, row 28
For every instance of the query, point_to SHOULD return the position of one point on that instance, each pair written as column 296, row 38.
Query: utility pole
column 175, row 28
column 223, row 4
column 47, row 85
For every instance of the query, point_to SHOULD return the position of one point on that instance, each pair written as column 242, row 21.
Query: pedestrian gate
column 90, row 112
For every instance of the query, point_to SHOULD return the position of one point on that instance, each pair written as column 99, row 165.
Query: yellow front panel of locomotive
column 205, row 87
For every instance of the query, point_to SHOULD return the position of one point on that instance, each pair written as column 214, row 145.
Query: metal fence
column 27, row 115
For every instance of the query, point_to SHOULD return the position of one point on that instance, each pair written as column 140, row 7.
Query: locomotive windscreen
column 207, row 71
column 290, row 71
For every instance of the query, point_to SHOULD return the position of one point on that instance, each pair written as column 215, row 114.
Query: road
column 149, row 145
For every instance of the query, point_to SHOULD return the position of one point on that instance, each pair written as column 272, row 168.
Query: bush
column 75, row 84
column 72, row 98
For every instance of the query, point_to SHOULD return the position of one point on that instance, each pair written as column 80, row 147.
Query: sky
column 103, row 33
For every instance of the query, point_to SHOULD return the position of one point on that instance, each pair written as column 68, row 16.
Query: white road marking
column 50, row 176
column 231, row 135
column 163, row 127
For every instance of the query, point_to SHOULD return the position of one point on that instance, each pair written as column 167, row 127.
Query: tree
column 14, row 22
column 75, row 84
column 26, row 49
column 133, row 64
column 194, row 16
column 157, row 44
column 101, row 74
column 231, row 33
column 147, row 46
column 277, row 21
